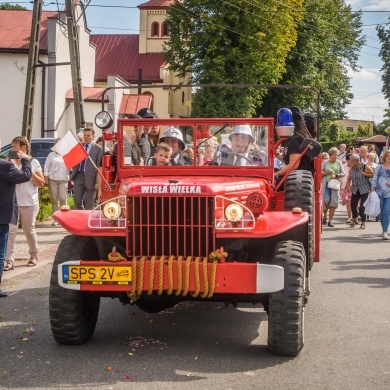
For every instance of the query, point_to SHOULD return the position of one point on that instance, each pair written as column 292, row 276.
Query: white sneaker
column 385, row 236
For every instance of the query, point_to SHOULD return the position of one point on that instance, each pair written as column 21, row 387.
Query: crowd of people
column 360, row 171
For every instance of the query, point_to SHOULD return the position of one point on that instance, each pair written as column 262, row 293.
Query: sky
column 122, row 17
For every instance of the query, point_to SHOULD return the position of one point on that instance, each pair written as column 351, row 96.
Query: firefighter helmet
column 173, row 132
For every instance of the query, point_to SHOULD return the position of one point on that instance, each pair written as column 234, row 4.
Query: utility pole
column 33, row 56
column 75, row 65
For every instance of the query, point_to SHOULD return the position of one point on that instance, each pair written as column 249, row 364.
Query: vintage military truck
column 213, row 230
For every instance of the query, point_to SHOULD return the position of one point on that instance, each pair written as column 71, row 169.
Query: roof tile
column 15, row 29
column 117, row 54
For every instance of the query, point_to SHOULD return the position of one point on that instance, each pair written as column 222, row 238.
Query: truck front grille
column 170, row 225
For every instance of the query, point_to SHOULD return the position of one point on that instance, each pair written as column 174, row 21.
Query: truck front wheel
column 73, row 314
column 286, row 307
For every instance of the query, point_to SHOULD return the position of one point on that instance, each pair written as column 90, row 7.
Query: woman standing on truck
column 301, row 131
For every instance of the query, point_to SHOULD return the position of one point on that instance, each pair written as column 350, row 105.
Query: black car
column 39, row 149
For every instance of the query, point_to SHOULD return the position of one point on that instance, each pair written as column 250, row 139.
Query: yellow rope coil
column 213, row 277
column 115, row 256
column 205, row 279
column 208, row 282
column 197, row 278
column 161, row 275
column 141, row 275
column 187, row 276
column 151, row 275
column 217, row 255
column 179, row 275
column 170, row 275
column 132, row 294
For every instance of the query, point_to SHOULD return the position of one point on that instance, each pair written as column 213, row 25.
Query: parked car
column 39, row 149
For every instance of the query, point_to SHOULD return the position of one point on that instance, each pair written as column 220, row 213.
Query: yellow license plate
column 81, row 274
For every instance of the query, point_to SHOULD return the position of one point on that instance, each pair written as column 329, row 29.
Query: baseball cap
column 146, row 113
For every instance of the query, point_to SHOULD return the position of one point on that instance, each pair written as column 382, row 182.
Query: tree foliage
column 364, row 131
column 384, row 54
column 12, row 7
column 328, row 46
column 230, row 42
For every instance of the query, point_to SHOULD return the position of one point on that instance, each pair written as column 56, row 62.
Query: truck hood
column 191, row 185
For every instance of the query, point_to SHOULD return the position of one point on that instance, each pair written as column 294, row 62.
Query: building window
column 155, row 29
column 349, row 128
column 164, row 30
column 182, row 98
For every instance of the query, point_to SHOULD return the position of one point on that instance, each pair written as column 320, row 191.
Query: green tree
column 334, row 132
column 230, row 42
column 384, row 54
column 364, row 131
column 12, row 7
column 328, row 44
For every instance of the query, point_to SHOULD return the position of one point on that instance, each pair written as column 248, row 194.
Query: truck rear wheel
column 286, row 307
column 73, row 314
column 299, row 192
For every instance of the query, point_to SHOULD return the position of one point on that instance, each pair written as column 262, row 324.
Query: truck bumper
column 171, row 276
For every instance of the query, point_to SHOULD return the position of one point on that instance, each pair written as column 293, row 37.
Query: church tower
column 153, row 30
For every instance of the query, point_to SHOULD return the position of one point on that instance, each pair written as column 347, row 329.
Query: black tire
column 73, row 314
column 299, row 192
column 286, row 307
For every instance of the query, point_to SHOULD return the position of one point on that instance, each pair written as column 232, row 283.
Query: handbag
column 334, row 184
column 372, row 206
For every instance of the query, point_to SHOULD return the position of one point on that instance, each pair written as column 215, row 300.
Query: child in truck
column 162, row 156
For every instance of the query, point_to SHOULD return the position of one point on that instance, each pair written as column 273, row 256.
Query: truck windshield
column 214, row 145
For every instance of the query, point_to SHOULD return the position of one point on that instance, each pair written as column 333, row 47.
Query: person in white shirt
column 56, row 177
column 28, row 205
column 342, row 152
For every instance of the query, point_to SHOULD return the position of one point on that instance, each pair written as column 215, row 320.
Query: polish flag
column 70, row 148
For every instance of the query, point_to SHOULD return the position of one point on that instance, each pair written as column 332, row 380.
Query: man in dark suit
column 84, row 175
column 9, row 177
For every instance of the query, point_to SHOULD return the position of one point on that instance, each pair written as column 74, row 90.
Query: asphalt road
column 208, row 346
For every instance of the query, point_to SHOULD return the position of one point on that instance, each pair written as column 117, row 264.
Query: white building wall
column 13, row 84
column 58, row 115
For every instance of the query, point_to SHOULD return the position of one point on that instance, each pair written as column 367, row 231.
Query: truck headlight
column 234, row 212
column 103, row 120
column 112, row 210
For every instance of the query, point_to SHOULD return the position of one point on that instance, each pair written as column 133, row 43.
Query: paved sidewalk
column 49, row 237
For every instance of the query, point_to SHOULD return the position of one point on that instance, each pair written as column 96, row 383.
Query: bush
column 45, row 209
column 326, row 146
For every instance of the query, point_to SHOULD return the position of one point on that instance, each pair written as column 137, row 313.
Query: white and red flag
column 70, row 148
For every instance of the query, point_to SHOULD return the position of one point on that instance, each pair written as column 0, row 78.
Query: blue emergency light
column 284, row 123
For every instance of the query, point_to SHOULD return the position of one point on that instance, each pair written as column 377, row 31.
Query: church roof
column 15, row 30
column 118, row 55
column 156, row 4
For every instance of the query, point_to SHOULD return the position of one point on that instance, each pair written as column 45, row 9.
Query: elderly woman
column 331, row 169
column 358, row 184
column 381, row 184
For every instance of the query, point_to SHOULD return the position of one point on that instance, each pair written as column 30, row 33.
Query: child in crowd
column 162, row 156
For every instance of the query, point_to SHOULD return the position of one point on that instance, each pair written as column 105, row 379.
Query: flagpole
column 97, row 169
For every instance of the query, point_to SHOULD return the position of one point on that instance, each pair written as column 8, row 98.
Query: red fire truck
column 216, row 229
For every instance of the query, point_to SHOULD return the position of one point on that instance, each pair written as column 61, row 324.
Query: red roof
column 153, row 4
column 131, row 104
column 91, row 94
column 118, row 55
column 15, row 29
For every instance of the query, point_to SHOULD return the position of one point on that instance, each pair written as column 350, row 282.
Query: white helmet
column 242, row 129
column 173, row 132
